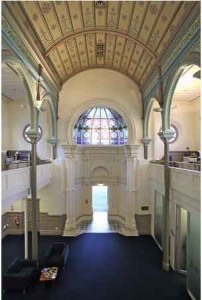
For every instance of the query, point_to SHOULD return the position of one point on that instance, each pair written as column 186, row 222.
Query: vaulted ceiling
column 127, row 36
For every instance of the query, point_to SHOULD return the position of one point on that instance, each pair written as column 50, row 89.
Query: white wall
column 14, row 119
column 52, row 196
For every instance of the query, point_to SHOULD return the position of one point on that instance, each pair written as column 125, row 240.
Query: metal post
column 34, row 203
column 166, row 136
column 33, row 135
column 25, row 228
column 166, row 229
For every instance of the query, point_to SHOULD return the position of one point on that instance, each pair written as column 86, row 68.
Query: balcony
column 16, row 181
column 184, row 185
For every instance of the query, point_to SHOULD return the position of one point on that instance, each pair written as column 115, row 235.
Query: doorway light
column 100, row 184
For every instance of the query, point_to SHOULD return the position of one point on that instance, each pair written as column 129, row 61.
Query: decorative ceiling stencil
column 128, row 36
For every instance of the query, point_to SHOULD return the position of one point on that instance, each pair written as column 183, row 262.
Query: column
column 34, row 138
column 70, row 224
column 131, row 190
column 146, row 142
column 166, row 136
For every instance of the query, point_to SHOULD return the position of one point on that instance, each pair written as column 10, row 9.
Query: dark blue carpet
column 102, row 267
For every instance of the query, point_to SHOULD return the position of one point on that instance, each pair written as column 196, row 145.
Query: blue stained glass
column 100, row 125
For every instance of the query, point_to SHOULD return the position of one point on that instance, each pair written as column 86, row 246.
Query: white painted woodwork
column 16, row 183
column 184, row 192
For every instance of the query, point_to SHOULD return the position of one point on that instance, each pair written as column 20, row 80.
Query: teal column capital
column 166, row 135
column 52, row 141
column 146, row 141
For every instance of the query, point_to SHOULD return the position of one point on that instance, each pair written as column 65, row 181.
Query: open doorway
column 100, row 208
column 99, row 198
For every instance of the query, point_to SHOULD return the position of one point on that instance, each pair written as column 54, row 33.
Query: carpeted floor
column 102, row 267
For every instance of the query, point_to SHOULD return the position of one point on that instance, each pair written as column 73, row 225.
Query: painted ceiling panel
column 76, row 14
column 90, row 38
column 125, row 15
column 162, row 24
column 64, row 55
column 118, row 53
column 113, row 14
column 50, row 18
column 110, row 46
column 128, row 51
column 129, row 36
column 37, row 20
column 55, row 58
column 100, row 48
column 101, row 16
column 73, row 52
column 175, row 26
column 63, row 16
column 88, row 13
column 138, row 18
column 150, row 20
column 135, row 60
column 81, row 46
column 142, row 65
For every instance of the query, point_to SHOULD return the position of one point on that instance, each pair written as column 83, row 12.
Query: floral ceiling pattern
column 127, row 36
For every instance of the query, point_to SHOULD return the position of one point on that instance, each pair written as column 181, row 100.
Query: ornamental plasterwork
column 149, row 26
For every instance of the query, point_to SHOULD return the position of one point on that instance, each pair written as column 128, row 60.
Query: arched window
column 100, row 125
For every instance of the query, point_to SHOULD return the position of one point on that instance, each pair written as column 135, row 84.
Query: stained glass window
column 100, row 125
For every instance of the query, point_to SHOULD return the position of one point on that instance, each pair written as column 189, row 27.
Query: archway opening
column 185, row 116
